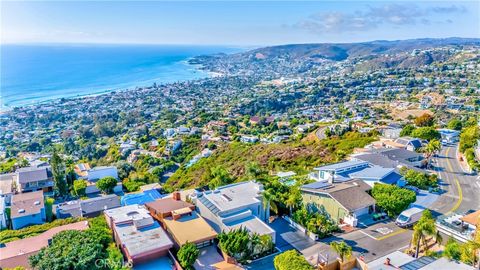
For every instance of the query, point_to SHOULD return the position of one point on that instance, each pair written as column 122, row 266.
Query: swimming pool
column 141, row 198
column 163, row 263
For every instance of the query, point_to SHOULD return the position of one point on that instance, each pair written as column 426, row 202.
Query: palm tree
column 268, row 201
column 424, row 228
column 342, row 249
column 293, row 200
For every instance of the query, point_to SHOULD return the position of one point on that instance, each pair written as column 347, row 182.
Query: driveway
column 288, row 237
column 208, row 258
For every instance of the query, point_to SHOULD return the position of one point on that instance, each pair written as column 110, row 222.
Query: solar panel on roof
column 418, row 263
column 317, row 185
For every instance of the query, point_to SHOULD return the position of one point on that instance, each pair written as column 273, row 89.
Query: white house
column 235, row 206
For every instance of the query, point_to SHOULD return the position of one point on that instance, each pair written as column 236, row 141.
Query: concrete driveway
column 208, row 258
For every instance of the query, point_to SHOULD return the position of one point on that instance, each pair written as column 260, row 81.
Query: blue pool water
column 141, row 198
column 163, row 263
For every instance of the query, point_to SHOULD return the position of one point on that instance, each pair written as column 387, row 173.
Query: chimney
column 176, row 196
column 331, row 179
column 176, row 216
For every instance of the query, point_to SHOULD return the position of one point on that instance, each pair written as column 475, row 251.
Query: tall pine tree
column 58, row 171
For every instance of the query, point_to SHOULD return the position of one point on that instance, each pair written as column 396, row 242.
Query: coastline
column 135, row 86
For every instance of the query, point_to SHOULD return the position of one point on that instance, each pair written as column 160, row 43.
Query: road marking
column 368, row 235
column 459, row 188
column 399, row 231
column 392, row 234
column 384, row 230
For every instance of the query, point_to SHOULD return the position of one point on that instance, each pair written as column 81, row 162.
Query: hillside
column 300, row 157
column 297, row 58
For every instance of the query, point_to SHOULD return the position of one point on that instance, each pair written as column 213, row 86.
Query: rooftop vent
column 228, row 199
column 21, row 210
column 36, row 203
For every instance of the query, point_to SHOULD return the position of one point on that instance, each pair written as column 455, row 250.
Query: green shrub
column 187, row 255
column 315, row 222
column 291, row 260
column 392, row 199
column 12, row 235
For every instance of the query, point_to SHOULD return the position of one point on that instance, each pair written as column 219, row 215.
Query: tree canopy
column 187, row 255
column 392, row 199
column 290, row 260
column 424, row 120
column 107, row 184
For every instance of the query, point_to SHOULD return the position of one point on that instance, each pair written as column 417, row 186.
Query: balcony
column 453, row 226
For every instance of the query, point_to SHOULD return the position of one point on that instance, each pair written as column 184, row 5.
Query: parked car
column 409, row 217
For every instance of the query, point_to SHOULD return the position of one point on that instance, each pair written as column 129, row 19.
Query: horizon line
column 225, row 45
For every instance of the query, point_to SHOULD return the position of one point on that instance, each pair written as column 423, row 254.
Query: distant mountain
column 295, row 57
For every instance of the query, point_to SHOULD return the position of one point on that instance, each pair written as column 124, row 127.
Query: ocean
column 31, row 74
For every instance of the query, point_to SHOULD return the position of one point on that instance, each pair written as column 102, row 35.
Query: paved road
column 462, row 194
column 320, row 133
column 462, row 189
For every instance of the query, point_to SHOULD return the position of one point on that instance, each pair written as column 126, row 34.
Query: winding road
column 462, row 189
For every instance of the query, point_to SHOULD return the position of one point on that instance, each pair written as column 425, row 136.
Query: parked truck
column 409, row 217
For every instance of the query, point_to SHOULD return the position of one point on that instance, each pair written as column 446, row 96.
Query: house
column 449, row 135
column 34, row 178
column 392, row 158
column 137, row 234
column 81, row 170
column 92, row 175
column 172, row 147
column 400, row 260
column 6, row 186
column 233, row 206
column 355, row 169
column 97, row 173
column 391, row 133
column 409, row 143
column 87, row 208
column 248, row 139
column 182, row 222
column 27, row 209
column 16, row 253
column 460, row 227
column 344, row 202
column 254, row 120
column 3, row 214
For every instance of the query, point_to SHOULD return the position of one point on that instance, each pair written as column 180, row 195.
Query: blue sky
column 234, row 23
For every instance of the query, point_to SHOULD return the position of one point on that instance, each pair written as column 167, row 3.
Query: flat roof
column 167, row 205
column 137, row 230
column 397, row 259
column 189, row 228
column 142, row 240
column 16, row 253
column 252, row 224
column 341, row 165
column 6, row 182
column 233, row 196
column 444, row 263
column 375, row 172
